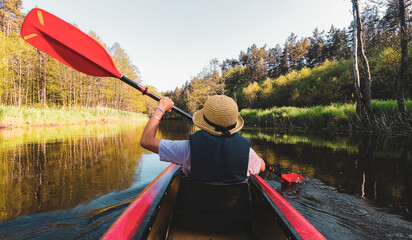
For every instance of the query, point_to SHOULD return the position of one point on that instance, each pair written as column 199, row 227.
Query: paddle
column 66, row 43
column 69, row 45
column 284, row 178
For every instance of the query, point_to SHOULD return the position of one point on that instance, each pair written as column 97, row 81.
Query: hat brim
column 199, row 121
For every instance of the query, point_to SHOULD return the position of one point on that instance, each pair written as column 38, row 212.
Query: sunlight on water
column 58, row 168
column 73, row 182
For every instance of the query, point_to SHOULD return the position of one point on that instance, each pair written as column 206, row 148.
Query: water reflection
column 385, row 173
column 73, row 182
column 58, row 168
column 376, row 169
column 176, row 129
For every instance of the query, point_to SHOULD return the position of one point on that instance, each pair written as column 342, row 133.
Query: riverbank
column 14, row 117
column 340, row 118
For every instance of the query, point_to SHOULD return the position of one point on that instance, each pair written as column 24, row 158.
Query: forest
column 30, row 78
column 308, row 71
column 305, row 71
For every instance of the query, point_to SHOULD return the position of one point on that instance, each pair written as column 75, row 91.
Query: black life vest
column 219, row 159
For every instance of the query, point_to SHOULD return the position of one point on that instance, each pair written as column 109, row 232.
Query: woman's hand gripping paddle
column 66, row 43
column 69, row 45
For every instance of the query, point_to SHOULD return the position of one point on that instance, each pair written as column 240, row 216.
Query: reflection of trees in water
column 314, row 140
column 49, row 174
column 366, row 159
column 176, row 129
column 407, row 172
column 375, row 168
column 385, row 172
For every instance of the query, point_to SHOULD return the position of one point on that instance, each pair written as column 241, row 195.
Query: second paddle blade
column 292, row 178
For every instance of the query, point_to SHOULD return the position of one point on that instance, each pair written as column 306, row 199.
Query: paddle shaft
column 145, row 91
column 272, row 169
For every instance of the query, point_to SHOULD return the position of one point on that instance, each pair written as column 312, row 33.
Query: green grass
column 335, row 117
column 11, row 116
column 389, row 106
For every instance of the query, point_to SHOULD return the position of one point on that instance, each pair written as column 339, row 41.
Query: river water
column 73, row 182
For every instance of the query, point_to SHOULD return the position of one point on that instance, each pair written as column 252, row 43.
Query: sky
column 171, row 41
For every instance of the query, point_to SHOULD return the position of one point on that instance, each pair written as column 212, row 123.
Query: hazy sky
column 171, row 41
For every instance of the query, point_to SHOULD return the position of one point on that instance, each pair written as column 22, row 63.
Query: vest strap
column 224, row 130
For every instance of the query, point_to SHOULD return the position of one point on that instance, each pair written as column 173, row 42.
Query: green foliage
column 251, row 91
column 309, row 71
column 385, row 65
column 236, row 78
column 304, row 118
column 337, row 117
column 193, row 95
column 315, row 70
column 321, row 85
column 324, row 84
column 29, row 77
column 388, row 106
column 200, row 90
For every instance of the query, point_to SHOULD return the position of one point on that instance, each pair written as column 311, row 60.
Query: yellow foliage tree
column 251, row 91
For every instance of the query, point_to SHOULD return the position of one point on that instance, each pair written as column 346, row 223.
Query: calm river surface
column 73, row 182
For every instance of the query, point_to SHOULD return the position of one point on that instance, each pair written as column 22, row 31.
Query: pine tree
column 274, row 58
column 316, row 51
column 300, row 52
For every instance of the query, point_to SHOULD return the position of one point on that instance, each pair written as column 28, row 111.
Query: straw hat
column 219, row 116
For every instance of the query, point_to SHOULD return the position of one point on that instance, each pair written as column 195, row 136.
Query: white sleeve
column 254, row 163
column 174, row 151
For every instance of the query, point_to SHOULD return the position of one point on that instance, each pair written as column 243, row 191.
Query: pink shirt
column 178, row 152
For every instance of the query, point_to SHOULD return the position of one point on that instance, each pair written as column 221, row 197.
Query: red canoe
column 175, row 207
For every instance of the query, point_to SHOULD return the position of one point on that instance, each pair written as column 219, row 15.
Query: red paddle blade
column 292, row 177
column 66, row 43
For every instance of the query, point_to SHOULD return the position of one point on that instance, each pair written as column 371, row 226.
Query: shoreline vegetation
column 338, row 118
column 310, row 74
column 24, row 117
column 335, row 118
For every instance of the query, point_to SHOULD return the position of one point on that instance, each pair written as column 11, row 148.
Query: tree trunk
column 402, row 79
column 366, row 86
column 20, row 80
column 360, row 107
column 38, row 88
column 8, row 28
column 45, row 85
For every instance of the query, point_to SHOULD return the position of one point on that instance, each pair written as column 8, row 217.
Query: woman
column 216, row 153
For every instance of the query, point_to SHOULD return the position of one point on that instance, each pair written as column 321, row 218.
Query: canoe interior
column 195, row 210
